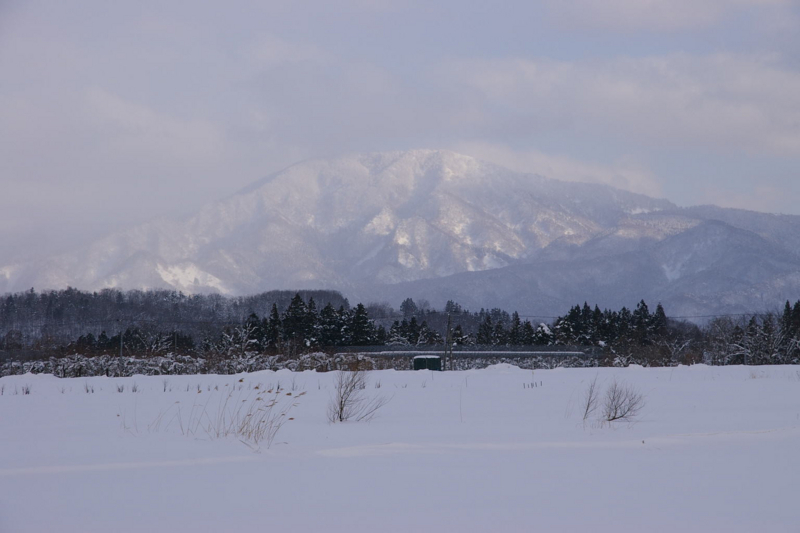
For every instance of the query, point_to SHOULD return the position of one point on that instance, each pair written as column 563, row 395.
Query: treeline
column 149, row 323
column 53, row 322
column 769, row 338
column 581, row 326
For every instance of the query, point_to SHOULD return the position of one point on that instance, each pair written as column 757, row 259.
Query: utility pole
column 448, row 346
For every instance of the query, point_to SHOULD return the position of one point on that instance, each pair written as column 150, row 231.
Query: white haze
column 112, row 114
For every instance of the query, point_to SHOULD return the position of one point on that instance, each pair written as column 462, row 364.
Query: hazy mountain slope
column 439, row 225
column 783, row 230
column 376, row 218
column 710, row 268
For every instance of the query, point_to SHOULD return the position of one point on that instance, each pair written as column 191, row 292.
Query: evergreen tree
column 397, row 334
column 543, row 336
column 255, row 334
column 311, row 325
column 658, row 322
column 408, row 308
column 769, row 341
column 515, row 331
column 412, row 331
column 641, row 317
column 330, row 331
column 486, row 331
column 102, row 340
column 499, row 335
column 275, row 328
column 598, row 326
column 459, row 338
column 427, row 336
column 586, row 331
column 381, row 335
column 295, row 321
column 362, row 329
column 344, row 323
column 623, row 325
column 569, row 328
column 787, row 324
column 796, row 317
column 528, row 334
column 452, row 308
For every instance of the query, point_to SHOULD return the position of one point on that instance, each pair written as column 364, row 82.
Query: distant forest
column 151, row 323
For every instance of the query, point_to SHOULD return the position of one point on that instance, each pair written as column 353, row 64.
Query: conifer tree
column 275, row 328
column 311, row 326
column 796, row 317
column 499, row 335
column 452, row 307
column 344, row 324
column 515, row 331
column 623, row 326
column 397, row 334
column 528, row 334
column 485, row 331
column 362, row 329
column 254, row 331
column 380, row 335
column 427, row 336
column 543, row 335
column 330, row 331
column 658, row 322
column 412, row 331
column 787, row 325
column 295, row 322
column 408, row 308
column 458, row 336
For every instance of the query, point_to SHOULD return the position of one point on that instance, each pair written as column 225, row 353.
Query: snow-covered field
column 501, row 449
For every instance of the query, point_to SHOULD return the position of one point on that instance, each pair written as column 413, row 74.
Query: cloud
column 136, row 129
column 269, row 50
column 196, row 103
column 767, row 198
column 624, row 174
column 722, row 102
column 654, row 15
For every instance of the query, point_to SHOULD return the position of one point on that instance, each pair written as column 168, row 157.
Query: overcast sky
column 113, row 113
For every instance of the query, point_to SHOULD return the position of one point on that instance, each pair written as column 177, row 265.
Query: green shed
column 427, row 362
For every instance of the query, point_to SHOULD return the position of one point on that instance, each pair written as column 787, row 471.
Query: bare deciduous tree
column 349, row 400
column 622, row 402
column 590, row 399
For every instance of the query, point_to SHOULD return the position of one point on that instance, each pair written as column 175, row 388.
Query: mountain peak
column 367, row 220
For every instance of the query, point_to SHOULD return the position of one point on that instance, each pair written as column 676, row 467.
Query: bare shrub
column 591, row 399
column 255, row 421
column 350, row 402
column 622, row 402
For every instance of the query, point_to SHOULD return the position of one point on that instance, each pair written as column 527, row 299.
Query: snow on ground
column 500, row 449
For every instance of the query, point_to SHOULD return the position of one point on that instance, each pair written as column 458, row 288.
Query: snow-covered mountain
column 439, row 225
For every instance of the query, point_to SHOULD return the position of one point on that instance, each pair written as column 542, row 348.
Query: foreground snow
column 501, row 449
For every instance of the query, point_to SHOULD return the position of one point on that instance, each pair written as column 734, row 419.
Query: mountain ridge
column 375, row 224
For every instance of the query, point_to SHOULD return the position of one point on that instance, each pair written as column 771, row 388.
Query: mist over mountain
column 438, row 225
